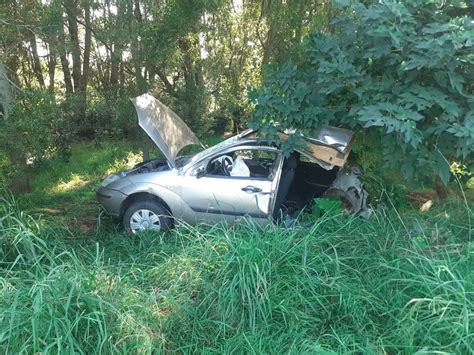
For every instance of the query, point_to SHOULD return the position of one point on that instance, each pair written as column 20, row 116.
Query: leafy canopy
column 401, row 68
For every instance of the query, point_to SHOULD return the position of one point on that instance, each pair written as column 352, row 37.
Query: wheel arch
column 142, row 196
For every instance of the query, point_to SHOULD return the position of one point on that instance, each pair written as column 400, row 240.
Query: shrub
column 401, row 69
column 34, row 129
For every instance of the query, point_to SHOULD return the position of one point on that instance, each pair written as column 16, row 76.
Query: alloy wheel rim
column 144, row 219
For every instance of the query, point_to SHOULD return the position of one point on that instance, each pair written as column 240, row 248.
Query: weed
column 401, row 281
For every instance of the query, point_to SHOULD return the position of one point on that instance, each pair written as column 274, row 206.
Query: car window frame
column 205, row 162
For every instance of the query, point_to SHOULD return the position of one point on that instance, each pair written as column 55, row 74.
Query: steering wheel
column 226, row 165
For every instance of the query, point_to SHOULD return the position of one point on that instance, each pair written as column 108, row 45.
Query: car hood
column 165, row 128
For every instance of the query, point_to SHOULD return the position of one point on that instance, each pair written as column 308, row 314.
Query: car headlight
column 110, row 179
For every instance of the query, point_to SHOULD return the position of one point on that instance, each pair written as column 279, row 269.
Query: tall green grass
column 385, row 285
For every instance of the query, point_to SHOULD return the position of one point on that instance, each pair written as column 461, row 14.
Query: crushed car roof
column 328, row 146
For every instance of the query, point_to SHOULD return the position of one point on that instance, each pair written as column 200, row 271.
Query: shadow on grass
column 65, row 190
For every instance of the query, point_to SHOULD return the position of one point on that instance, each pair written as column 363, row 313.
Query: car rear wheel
column 146, row 215
column 349, row 199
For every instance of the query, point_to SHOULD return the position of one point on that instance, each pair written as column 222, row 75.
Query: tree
column 403, row 69
column 6, row 94
column 286, row 23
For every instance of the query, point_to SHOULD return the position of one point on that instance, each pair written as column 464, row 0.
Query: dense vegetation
column 86, row 59
column 399, row 73
column 404, row 71
column 401, row 281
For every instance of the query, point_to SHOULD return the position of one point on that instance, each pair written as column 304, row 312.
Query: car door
column 213, row 196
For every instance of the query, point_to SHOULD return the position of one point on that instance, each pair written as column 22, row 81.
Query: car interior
column 301, row 180
column 260, row 164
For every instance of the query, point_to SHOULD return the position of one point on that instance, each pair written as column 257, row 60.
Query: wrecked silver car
column 236, row 178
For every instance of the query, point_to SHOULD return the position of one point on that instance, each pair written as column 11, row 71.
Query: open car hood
column 165, row 128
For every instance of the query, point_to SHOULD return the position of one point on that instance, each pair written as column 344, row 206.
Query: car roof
column 328, row 146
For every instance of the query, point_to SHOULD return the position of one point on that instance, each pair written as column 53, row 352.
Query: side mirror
column 200, row 172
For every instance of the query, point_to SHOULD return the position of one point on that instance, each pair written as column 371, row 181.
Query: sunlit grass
column 400, row 282
column 75, row 181
column 129, row 161
column 343, row 285
column 78, row 178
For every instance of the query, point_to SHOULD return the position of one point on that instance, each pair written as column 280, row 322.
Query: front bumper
column 111, row 200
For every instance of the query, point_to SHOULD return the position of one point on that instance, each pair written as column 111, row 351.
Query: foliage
column 197, row 57
column 6, row 170
column 401, row 281
column 108, row 116
column 341, row 285
column 330, row 206
column 34, row 128
column 402, row 69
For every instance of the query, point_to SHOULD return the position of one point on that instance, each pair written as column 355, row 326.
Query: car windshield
column 183, row 160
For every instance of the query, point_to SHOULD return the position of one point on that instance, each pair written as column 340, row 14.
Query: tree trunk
column 65, row 62
column 21, row 180
column 103, row 77
column 115, row 59
column 194, row 84
column 51, row 68
column 145, row 146
column 36, row 63
column 87, row 48
column 26, row 81
column 6, row 94
column 116, row 55
column 66, row 74
column 84, row 78
column 80, row 70
column 72, row 13
column 442, row 191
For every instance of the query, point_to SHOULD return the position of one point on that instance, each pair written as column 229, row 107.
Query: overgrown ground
column 402, row 281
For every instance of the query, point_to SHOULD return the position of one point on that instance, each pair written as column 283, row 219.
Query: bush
column 220, row 123
column 401, row 69
column 6, row 171
column 34, row 129
column 109, row 116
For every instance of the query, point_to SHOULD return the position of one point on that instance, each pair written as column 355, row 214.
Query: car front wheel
column 146, row 215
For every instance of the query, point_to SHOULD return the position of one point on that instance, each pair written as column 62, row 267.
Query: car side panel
column 217, row 198
column 178, row 208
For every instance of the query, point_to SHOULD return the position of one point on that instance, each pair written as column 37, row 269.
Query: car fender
column 172, row 198
column 348, row 185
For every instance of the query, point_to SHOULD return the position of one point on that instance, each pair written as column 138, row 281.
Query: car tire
column 350, row 199
column 146, row 215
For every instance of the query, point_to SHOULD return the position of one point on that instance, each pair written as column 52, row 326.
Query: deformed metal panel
column 328, row 146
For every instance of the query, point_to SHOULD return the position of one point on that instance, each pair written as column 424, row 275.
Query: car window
column 185, row 159
column 244, row 163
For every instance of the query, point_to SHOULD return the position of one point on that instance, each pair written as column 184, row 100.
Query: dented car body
column 236, row 178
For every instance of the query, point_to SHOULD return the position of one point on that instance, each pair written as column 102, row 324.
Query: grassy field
column 71, row 281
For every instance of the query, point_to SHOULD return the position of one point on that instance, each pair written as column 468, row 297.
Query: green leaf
column 442, row 167
column 456, row 81
column 329, row 205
